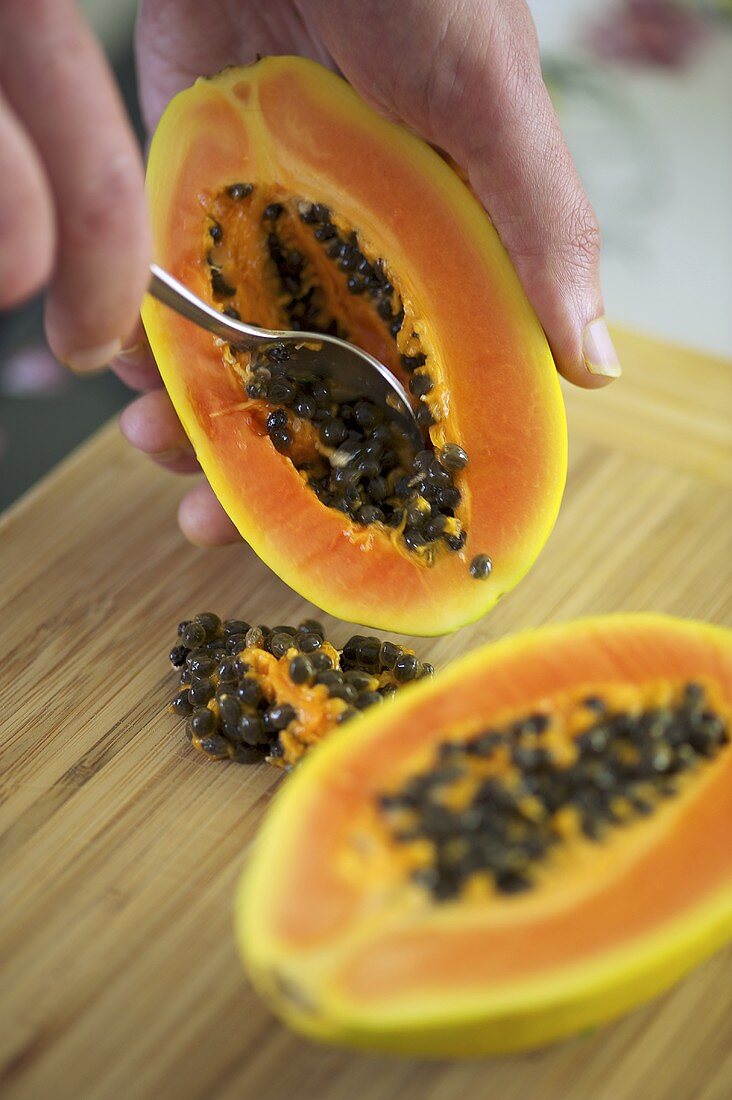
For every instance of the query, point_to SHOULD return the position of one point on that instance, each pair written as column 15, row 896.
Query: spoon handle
column 170, row 292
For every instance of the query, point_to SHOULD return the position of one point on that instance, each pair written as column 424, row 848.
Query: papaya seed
column 368, row 699
column 210, row 623
column 309, row 643
column 256, row 389
column 178, row 656
column 420, row 384
column 389, row 654
column 301, row 670
column 249, row 693
column 453, row 457
column 194, row 635
column 202, row 722
column 406, row 668
column 255, row 637
column 321, row 662
column 370, row 513
column 279, row 643
column 227, row 671
column 424, row 416
column 239, row 190
column 251, row 729
column 200, row 691
column 229, row 712
column 281, row 439
column 181, row 704
column 247, row 754
column 456, row 542
column 481, row 567
column 278, row 717
column 220, row 287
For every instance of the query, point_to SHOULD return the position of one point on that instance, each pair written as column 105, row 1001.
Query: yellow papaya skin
column 283, row 124
column 344, row 960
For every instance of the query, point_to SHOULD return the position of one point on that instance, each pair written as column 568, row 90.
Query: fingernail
column 598, row 350
column 174, row 455
column 90, row 360
column 132, row 354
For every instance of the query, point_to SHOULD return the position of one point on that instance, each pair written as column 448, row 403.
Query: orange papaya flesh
column 530, row 845
column 252, row 694
column 276, row 193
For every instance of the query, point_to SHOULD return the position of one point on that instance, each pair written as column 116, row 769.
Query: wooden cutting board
column 120, row 847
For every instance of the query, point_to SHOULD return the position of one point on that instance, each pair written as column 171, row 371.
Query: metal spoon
column 351, row 372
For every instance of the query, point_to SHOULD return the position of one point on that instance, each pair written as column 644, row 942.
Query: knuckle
column 516, row 64
column 584, row 240
column 105, row 206
column 519, row 81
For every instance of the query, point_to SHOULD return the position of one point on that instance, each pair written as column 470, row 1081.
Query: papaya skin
column 289, row 126
column 599, row 944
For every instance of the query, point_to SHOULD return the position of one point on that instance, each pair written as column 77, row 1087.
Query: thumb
column 473, row 87
column 521, row 170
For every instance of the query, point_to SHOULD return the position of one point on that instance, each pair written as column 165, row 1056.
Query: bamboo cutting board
column 120, row 847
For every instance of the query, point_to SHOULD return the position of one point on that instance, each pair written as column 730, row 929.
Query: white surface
column 654, row 149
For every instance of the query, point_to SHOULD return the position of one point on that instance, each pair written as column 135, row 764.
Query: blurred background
column 644, row 92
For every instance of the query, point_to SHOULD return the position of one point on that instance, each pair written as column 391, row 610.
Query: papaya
column 282, row 199
column 254, row 693
column 523, row 848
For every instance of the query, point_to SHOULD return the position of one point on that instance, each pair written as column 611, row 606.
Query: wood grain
column 120, row 847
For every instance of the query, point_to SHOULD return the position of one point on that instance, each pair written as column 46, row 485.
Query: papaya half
column 280, row 197
column 525, row 847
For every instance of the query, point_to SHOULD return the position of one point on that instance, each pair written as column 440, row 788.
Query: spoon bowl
column 351, row 372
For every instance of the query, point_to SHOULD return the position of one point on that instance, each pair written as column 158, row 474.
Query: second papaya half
column 280, row 197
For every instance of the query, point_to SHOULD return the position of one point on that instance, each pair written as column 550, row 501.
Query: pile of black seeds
column 371, row 278
column 624, row 765
column 366, row 467
column 232, row 714
column 304, row 306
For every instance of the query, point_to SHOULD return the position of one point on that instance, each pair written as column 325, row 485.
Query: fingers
column 177, row 41
column 135, row 364
column 152, row 426
column 60, row 87
column 26, row 214
column 202, row 519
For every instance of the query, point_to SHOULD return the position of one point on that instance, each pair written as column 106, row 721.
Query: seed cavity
column 351, row 456
column 493, row 807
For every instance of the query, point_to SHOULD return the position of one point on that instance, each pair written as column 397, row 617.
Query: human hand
column 72, row 203
column 465, row 74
